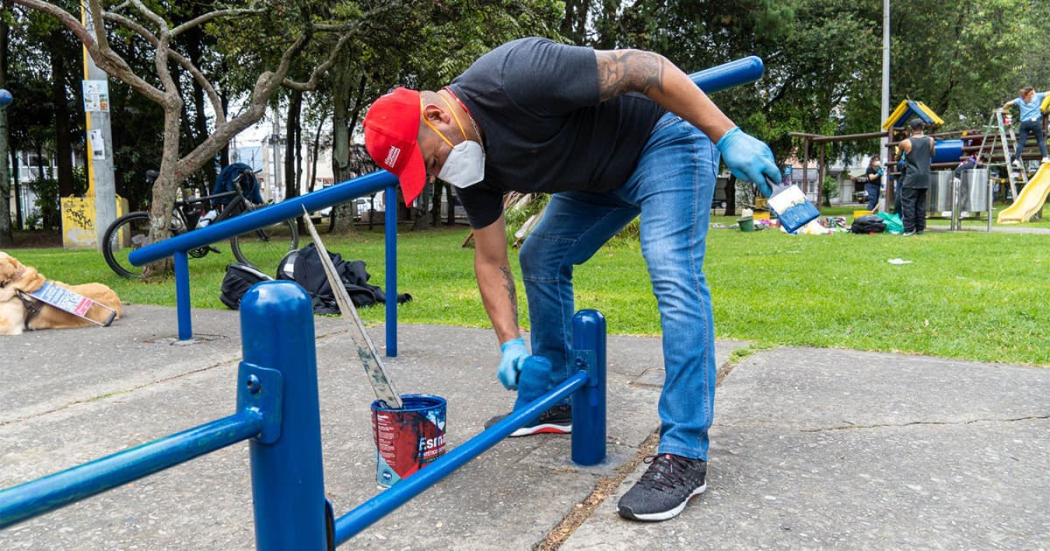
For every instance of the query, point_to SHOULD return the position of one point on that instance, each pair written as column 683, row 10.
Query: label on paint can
column 409, row 438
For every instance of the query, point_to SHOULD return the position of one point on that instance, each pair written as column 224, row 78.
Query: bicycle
column 262, row 248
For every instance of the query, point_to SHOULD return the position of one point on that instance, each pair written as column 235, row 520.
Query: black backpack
column 869, row 223
column 239, row 278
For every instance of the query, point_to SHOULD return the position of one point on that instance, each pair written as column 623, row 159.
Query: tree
column 293, row 22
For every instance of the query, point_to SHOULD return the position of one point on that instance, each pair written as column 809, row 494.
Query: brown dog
column 15, row 277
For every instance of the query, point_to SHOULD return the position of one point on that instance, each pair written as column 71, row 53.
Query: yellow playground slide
column 1030, row 200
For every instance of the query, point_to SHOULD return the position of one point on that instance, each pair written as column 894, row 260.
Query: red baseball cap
column 391, row 133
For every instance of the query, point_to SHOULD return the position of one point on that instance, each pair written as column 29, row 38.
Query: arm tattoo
column 512, row 294
column 622, row 71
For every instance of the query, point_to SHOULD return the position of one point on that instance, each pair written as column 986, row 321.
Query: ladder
column 996, row 122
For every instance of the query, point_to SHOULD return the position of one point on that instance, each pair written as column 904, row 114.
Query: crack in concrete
column 914, row 423
column 607, row 485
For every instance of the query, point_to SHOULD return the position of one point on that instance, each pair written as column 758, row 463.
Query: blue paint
column 588, row 403
column 182, row 295
column 277, row 332
column 407, row 438
column 791, row 207
column 798, row 216
column 729, row 75
column 390, row 200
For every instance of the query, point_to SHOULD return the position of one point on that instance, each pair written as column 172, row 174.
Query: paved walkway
column 811, row 448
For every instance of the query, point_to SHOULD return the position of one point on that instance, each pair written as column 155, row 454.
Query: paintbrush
column 791, row 206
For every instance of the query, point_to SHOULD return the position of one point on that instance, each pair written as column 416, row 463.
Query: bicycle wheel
column 264, row 248
column 126, row 234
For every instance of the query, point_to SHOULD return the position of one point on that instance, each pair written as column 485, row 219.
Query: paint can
column 409, row 438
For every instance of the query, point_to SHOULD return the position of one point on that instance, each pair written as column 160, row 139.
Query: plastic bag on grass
column 893, row 222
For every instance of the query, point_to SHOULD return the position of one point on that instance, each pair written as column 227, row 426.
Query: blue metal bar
column 379, row 506
column 182, row 296
column 588, row 403
column 729, row 75
column 271, row 214
column 391, row 271
column 277, row 332
column 51, row 492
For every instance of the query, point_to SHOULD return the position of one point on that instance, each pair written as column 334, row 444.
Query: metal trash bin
column 973, row 192
column 939, row 196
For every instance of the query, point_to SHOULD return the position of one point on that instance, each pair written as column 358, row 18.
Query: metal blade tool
column 374, row 368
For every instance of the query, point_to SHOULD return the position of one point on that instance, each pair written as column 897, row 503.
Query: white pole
column 885, row 92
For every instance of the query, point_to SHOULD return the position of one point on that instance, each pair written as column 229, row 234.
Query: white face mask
column 465, row 165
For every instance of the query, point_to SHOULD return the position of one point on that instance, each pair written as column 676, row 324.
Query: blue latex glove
column 749, row 159
column 514, row 355
column 879, row 173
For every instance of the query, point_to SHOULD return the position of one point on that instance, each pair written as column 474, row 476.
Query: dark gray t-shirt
column 546, row 130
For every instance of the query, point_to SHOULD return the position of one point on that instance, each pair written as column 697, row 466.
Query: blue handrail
column 54, row 491
column 178, row 245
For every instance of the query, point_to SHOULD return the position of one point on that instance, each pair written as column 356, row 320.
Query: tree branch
column 209, row 16
column 213, row 95
column 106, row 59
column 320, row 69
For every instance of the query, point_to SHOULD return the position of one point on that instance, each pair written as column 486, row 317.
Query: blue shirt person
column 1031, row 121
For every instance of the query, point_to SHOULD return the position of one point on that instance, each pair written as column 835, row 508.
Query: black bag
column 868, row 224
column 306, row 270
column 239, row 278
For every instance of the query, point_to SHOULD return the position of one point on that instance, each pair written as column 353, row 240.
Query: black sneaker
column 664, row 489
column 556, row 420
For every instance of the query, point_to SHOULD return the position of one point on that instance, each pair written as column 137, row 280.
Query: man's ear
column 435, row 114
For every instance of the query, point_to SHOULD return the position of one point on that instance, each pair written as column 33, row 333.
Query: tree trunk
column 63, row 144
column 291, row 132
column 343, row 217
column 435, row 208
column 165, row 188
column 451, row 217
column 16, row 175
column 343, row 121
column 7, row 237
column 731, row 196
column 316, row 153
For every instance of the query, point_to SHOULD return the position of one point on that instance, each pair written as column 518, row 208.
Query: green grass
column 967, row 295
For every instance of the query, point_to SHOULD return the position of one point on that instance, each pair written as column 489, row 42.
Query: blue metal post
column 277, row 332
column 588, row 403
column 182, row 295
column 391, row 270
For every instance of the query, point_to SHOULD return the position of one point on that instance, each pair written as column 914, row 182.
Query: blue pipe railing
column 277, row 408
column 588, row 429
column 292, row 208
column 54, row 491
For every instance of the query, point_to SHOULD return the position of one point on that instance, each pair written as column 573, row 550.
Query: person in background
column 1029, row 103
column 873, row 183
column 919, row 149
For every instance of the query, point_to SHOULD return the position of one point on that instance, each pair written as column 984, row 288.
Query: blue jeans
column 671, row 188
column 873, row 195
column 1030, row 127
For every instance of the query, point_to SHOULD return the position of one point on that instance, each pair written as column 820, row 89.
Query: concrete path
column 811, row 448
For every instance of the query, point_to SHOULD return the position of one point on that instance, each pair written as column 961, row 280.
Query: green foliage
column 47, row 202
